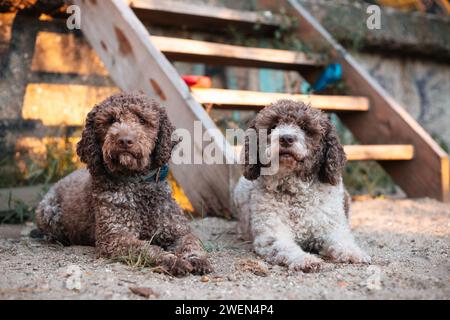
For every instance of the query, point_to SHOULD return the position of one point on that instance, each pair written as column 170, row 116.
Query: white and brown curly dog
column 303, row 208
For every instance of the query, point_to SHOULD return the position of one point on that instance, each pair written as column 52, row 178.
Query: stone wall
column 422, row 87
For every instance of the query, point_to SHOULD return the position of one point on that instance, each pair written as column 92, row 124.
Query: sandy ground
column 408, row 240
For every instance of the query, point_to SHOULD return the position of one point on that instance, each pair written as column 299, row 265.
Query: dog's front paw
column 200, row 265
column 176, row 266
column 306, row 263
column 354, row 255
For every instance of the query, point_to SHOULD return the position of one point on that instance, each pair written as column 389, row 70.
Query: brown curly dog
column 120, row 205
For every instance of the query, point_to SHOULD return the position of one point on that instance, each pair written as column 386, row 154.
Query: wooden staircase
column 137, row 60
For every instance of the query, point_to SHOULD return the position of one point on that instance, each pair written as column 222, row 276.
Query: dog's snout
column 287, row 140
column 126, row 141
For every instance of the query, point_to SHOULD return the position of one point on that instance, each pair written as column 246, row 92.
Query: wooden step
column 253, row 100
column 194, row 15
column 371, row 152
column 177, row 49
column 380, row 152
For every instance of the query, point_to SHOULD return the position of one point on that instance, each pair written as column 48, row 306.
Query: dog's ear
column 333, row 157
column 88, row 148
column 164, row 145
column 252, row 166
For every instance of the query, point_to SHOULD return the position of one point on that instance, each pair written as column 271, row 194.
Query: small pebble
column 144, row 292
column 231, row 277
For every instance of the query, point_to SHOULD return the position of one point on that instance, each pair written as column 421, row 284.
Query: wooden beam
column 371, row 152
column 254, row 100
column 134, row 63
column 427, row 175
column 177, row 49
column 195, row 15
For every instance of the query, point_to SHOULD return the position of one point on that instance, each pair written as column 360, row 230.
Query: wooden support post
column 134, row 63
column 386, row 122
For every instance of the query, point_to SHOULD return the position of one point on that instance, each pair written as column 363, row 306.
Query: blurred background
column 50, row 78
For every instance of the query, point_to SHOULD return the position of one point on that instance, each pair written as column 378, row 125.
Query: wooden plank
column 177, row 49
column 371, row 152
column 254, row 100
column 177, row 13
column 379, row 152
column 427, row 175
column 134, row 63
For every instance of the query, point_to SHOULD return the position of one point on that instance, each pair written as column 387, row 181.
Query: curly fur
column 111, row 205
column 304, row 206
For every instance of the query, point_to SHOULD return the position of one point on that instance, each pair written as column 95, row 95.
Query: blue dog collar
column 158, row 174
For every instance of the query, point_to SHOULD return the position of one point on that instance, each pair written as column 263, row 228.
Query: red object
column 197, row 81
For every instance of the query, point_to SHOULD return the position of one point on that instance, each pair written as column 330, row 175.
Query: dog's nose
column 287, row 140
column 126, row 142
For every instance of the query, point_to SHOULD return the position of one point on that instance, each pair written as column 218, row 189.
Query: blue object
column 159, row 174
column 330, row 75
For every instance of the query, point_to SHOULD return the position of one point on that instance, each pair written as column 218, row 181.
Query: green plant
column 17, row 212
column 367, row 177
column 26, row 168
column 35, row 162
column 141, row 259
column 58, row 163
column 211, row 246
column 138, row 260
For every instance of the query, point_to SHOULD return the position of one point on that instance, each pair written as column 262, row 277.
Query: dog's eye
column 112, row 120
column 303, row 126
column 142, row 121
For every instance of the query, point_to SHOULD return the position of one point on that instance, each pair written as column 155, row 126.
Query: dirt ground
column 408, row 240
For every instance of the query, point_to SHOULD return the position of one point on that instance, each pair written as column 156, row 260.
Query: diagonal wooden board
column 386, row 122
column 122, row 42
